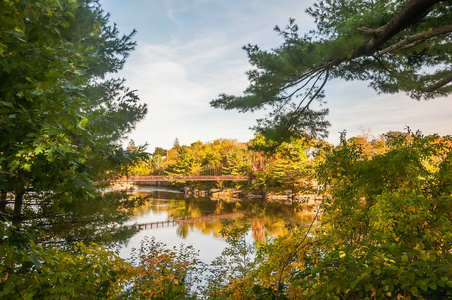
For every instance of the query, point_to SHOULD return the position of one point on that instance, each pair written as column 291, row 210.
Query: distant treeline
column 277, row 167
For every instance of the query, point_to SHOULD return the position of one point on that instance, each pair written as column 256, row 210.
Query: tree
column 61, row 119
column 176, row 144
column 185, row 161
column 395, row 137
column 238, row 163
column 160, row 151
column 131, row 146
column 286, row 164
column 397, row 46
column 289, row 167
column 386, row 225
column 139, row 162
column 29, row 271
column 385, row 230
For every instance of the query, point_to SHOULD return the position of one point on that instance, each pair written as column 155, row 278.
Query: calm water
column 202, row 220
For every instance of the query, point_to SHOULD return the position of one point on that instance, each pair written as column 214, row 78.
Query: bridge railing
column 166, row 178
column 176, row 222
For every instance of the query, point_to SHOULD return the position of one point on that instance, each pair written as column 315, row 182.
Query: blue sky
column 189, row 51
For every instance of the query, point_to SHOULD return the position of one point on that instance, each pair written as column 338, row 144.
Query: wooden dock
column 172, row 223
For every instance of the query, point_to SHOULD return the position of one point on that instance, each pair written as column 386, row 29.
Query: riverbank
column 231, row 193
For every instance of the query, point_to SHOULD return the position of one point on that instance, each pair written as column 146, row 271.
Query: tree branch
column 439, row 84
column 418, row 37
column 297, row 248
column 321, row 68
column 327, row 74
column 370, row 31
column 414, row 10
column 288, row 98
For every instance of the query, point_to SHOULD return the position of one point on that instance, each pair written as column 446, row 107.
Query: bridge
column 144, row 179
column 176, row 222
column 208, row 174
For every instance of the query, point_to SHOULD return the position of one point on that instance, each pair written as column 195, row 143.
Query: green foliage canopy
column 385, row 230
column 61, row 119
column 386, row 227
column 29, row 271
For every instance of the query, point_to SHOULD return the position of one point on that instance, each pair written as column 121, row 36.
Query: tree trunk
column 3, row 200
column 18, row 200
column 2, row 204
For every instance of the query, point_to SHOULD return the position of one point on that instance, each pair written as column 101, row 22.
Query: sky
column 190, row 51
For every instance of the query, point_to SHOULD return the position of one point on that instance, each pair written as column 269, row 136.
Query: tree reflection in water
column 101, row 218
column 266, row 218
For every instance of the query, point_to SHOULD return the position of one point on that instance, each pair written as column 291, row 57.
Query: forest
column 385, row 229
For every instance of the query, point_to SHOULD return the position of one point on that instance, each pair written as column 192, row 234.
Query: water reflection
column 188, row 218
column 55, row 219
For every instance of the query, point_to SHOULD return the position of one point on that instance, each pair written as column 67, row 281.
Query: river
column 173, row 219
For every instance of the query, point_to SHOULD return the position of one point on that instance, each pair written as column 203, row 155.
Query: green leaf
column 34, row 260
column 7, row 104
column 36, row 92
column 39, row 149
column 411, row 276
column 355, row 282
column 83, row 123
column 423, row 286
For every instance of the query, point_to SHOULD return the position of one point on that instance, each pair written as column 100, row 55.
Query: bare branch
column 327, row 75
column 322, row 67
column 6, row 214
column 418, row 37
column 370, row 31
column 289, row 97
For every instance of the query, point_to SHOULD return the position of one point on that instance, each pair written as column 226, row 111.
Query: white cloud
column 178, row 103
column 190, row 51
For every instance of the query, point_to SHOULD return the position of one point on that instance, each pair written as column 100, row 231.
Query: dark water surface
column 173, row 219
